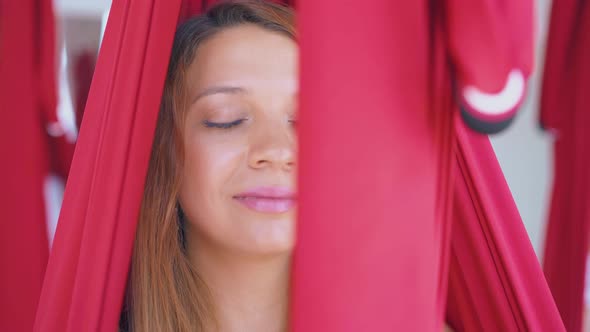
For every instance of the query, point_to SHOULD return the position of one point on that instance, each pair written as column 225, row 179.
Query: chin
column 263, row 249
column 278, row 247
column 269, row 237
column 275, row 246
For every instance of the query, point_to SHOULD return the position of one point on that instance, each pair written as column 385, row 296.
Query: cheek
column 209, row 174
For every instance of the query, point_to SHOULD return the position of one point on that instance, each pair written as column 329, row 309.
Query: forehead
column 247, row 56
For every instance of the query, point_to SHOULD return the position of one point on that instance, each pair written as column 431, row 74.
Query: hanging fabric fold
column 367, row 250
column 83, row 72
column 560, row 38
column 496, row 282
column 29, row 132
column 87, row 272
column 565, row 114
column 491, row 45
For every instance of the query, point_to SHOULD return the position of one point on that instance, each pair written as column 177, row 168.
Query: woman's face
column 238, row 187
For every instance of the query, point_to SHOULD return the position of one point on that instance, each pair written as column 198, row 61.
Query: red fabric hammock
column 83, row 71
column 30, row 141
column 565, row 112
column 374, row 233
column 494, row 282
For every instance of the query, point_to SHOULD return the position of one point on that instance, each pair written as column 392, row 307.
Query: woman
column 216, row 229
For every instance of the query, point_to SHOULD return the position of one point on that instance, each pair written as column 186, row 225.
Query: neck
column 249, row 293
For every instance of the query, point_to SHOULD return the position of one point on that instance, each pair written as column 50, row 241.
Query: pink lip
column 268, row 199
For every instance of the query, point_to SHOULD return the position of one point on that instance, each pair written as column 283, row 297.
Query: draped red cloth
column 565, row 112
column 374, row 231
column 495, row 281
column 28, row 108
column 83, row 71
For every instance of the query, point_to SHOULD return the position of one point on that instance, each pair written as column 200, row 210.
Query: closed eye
column 223, row 125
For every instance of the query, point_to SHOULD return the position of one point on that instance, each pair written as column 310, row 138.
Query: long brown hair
column 165, row 292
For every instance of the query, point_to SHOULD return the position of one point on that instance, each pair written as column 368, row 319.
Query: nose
column 273, row 146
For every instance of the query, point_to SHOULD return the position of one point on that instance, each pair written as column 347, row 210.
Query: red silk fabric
column 565, row 112
column 83, row 71
column 28, row 108
column 378, row 151
column 495, row 281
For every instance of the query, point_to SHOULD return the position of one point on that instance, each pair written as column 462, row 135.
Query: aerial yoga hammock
column 32, row 144
column 422, row 205
column 565, row 112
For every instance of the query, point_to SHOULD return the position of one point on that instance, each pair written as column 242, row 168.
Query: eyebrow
column 219, row 89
